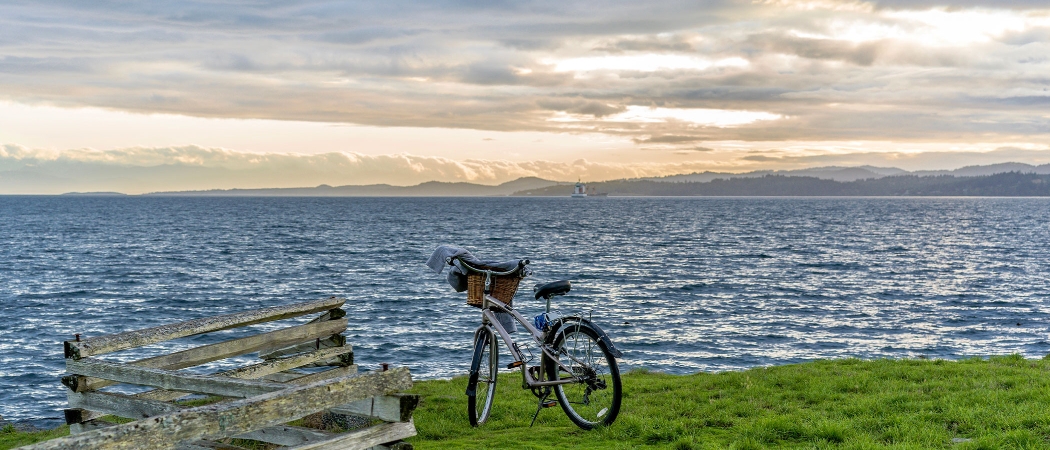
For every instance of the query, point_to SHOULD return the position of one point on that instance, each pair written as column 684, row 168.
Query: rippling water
column 681, row 284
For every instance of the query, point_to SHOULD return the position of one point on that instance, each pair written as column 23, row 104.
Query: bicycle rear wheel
column 484, row 368
column 594, row 399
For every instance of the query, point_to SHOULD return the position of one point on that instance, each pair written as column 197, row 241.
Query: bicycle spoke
column 593, row 396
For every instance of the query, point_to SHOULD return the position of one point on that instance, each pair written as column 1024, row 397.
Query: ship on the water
column 580, row 191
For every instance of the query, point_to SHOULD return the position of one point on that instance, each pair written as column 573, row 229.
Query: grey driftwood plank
column 364, row 438
column 335, row 340
column 171, row 380
column 136, row 408
column 325, row 375
column 284, row 377
column 131, row 339
column 293, row 361
column 213, row 352
column 90, row 425
column 287, row 435
column 120, row 405
column 296, row 377
column 211, row 422
column 397, row 445
column 79, row 415
column 256, row 371
column 206, row 445
column 389, row 408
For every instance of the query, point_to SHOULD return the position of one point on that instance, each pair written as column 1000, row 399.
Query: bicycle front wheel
column 594, row 398
column 484, row 368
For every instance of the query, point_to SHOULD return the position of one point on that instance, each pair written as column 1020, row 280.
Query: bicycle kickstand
column 543, row 403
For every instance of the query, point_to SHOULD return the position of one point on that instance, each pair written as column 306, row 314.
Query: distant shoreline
column 1008, row 184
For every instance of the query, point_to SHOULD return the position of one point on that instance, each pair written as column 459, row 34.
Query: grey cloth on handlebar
column 457, row 276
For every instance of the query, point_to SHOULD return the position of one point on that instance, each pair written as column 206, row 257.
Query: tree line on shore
column 1010, row 184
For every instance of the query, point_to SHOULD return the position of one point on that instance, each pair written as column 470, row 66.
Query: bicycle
column 577, row 364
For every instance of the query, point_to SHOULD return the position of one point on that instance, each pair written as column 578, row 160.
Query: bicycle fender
column 475, row 370
column 602, row 335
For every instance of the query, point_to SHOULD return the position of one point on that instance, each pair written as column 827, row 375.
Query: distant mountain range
column 864, row 180
column 428, row 189
column 862, row 172
column 1010, row 184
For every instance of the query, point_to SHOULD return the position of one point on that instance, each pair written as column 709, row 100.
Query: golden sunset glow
column 552, row 90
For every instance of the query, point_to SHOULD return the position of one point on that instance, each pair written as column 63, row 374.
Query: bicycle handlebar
column 521, row 265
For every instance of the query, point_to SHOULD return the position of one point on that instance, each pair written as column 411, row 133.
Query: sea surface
column 681, row 284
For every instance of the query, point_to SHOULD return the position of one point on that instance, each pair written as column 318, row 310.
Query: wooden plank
column 257, row 371
column 206, row 445
column 170, row 380
column 325, row 375
column 336, row 340
column 284, row 377
column 287, row 435
column 90, row 425
column 217, row 351
column 296, row 377
column 390, row 408
column 364, row 438
column 396, row 445
column 331, row 314
column 121, row 341
column 120, row 405
column 78, row 415
column 211, row 422
column 221, row 350
column 274, row 365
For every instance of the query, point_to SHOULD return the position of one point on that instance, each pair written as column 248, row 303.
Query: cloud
column 140, row 170
column 667, row 139
column 844, row 69
column 675, row 43
column 930, row 160
column 151, row 169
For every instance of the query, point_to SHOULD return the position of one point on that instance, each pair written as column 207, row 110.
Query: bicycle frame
column 560, row 365
column 489, row 321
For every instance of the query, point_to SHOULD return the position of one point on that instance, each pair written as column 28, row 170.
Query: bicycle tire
column 484, row 370
column 598, row 372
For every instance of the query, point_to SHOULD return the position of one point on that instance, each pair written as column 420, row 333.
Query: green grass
column 1001, row 402
column 10, row 438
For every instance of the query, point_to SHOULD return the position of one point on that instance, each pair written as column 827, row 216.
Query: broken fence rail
column 258, row 400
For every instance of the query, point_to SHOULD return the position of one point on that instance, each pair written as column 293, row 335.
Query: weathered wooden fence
column 255, row 403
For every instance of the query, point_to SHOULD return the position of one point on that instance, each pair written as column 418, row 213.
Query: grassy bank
column 1002, row 402
column 11, row 438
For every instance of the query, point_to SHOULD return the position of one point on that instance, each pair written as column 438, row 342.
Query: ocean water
column 681, row 284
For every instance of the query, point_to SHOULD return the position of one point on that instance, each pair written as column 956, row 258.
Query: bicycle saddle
column 551, row 289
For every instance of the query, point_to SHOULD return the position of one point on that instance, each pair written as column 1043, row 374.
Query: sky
column 148, row 96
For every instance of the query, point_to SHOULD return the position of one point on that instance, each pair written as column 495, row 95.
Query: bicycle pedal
column 549, row 403
column 515, row 365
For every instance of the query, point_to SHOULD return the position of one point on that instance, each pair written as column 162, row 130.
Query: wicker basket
column 503, row 288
